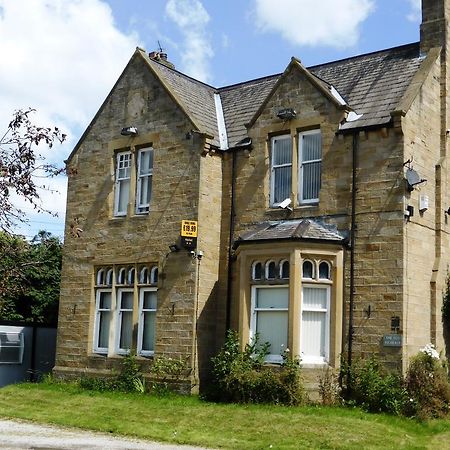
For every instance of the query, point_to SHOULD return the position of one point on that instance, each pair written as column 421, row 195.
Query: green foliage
column 30, row 274
column 424, row 393
column 129, row 379
column 241, row 376
column 368, row 385
column 329, row 390
column 166, row 373
column 446, row 306
column 428, row 388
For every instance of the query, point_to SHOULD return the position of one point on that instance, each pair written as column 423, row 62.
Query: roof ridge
column 398, row 47
column 183, row 74
column 231, row 86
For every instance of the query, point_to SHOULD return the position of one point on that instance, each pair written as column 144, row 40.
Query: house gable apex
column 138, row 53
column 326, row 89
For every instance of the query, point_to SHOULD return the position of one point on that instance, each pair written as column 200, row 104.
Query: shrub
column 329, row 389
column 241, row 376
column 368, row 385
column 427, row 385
column 129, row 379
column 166, row 374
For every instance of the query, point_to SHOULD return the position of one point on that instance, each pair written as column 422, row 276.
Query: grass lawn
column 187, row 420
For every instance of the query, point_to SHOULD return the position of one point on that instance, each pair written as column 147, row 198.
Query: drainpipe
column 355, row 145
column 230, row 239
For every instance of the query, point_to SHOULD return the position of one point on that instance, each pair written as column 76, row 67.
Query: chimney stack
column 435, row 15
column 161, row 57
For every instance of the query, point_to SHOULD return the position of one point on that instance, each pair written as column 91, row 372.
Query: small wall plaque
column 392, row 340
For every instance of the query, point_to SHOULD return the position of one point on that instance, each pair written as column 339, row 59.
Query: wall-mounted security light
column 287, row 114
column 447, row 212
column 285, row 204
column 129, row 131
column 174, row 248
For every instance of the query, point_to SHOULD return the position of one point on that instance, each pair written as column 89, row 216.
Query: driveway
column 24, row 435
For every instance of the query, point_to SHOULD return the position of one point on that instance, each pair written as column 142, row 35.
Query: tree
column 20, row 164
column 30, row 274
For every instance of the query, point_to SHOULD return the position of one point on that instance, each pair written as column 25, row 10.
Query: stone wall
column 138, row 99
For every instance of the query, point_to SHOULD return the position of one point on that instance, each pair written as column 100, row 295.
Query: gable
column 298, row 79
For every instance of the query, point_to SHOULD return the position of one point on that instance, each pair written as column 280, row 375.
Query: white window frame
column 302, row 163
column 308, row 359
column 142, row 311
column 314, row 269
column 143, row 208
column 282, row 263
column 119, row 180
column 329, row 271
column 274, row 167
column 98, row 312
column 270, row 358
column 120, row 311
column 266, row 271
column 255, row 263
column 154, row 274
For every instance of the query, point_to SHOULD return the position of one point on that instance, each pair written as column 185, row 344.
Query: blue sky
column 64, row 55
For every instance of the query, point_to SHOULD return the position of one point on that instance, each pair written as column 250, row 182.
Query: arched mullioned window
column 154, row 275
column 121, row 275
column 144, row 276
column 284, row 269
column 257, row 271
column 131, row 274
column 270, row 270
column 308, row 270
column 109, row 277
column 100, row 280
column 324, row 271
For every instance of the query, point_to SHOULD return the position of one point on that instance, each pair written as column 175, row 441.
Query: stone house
column 319, row 196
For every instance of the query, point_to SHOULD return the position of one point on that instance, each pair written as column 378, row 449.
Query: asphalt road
column 24, row 435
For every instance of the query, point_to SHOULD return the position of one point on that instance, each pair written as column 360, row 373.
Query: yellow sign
column 189, row 228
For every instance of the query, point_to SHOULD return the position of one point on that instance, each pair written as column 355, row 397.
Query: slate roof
column 371, row 84
column 291, row 230
column 196, row 97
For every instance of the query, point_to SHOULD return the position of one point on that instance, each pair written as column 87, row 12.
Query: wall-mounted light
column 129, row 131
column 174, row 248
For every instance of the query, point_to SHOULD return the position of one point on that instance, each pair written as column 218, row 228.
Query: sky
column 62, row 57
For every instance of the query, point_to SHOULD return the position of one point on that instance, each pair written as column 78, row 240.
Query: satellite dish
column 413, row 178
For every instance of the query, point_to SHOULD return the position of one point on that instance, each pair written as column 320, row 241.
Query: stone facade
column 400, row 261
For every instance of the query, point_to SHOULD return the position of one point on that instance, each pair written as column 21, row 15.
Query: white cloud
column 192, row 19
column 313, row 22
column 61, row 58
column 415, row 15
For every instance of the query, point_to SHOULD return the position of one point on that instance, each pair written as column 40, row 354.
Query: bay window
column 270, row 318
column 315, row 323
